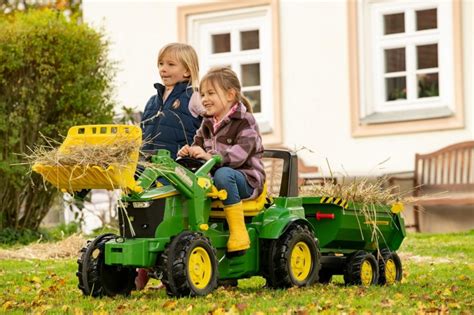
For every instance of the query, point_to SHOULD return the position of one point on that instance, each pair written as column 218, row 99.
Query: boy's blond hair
column 186, row 55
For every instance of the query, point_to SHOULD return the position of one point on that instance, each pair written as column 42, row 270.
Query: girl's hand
column 198, row 153
column 184, row 151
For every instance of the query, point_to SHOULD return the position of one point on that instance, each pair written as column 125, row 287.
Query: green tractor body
column 178, row 232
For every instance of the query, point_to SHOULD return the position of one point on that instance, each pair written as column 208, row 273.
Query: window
column 406, row 66
column 242, row 38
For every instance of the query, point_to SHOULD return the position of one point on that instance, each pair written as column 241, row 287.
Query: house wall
column 314, row 76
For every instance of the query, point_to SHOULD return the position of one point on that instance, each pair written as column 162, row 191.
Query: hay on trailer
column 367, row 195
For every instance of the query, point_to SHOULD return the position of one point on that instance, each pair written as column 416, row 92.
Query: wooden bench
column 444, row 178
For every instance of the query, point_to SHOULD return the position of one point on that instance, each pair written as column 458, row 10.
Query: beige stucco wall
column 314, row 77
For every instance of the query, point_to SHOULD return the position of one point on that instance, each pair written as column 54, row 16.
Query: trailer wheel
column 98, row 279
column 294, row 259
column 189, row 266
column 361, row 269
column 390, row 267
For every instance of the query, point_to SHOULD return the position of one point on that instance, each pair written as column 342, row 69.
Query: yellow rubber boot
column 239, row 237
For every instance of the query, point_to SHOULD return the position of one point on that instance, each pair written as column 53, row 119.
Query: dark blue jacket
column 170, row 125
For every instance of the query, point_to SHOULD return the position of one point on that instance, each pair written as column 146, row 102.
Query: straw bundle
column 368, row 196
column 103, row 155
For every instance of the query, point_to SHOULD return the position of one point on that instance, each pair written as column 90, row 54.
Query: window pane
column 396, row 88
column 427, row 56
column 249, row 40
column 251, row 74
column 394, row 23
column 254, row 99
column 428, row 85
column 394, row 60
column 426, row 19
column 220, row 43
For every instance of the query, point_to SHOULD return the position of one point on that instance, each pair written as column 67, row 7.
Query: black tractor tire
column 325, row 276
column 297, row 243
column 390, row 267
column 361, row 269
column 97, row 279
column 189, row 266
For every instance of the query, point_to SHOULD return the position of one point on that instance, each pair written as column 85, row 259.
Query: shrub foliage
column 53, row 74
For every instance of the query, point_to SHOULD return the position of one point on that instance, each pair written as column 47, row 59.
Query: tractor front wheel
column 294, row 259
column 361, row 269
column 98, row 279
column 189, row 266
column 390, row 267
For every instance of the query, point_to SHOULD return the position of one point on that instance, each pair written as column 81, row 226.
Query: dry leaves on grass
column 67, row 248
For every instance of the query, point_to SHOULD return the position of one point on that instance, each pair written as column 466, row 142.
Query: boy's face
column 171, row 70
column 216, row 102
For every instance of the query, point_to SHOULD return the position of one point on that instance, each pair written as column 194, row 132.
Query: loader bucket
column 77, row 177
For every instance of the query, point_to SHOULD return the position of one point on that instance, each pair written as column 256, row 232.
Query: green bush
column 53, row 74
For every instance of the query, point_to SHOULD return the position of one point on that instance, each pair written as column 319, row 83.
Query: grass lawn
column 438, row 278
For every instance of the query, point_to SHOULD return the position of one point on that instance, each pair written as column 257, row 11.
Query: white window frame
column 201, row 28
column 374, row 108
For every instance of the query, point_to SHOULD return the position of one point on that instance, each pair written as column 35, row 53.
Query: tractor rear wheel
column 98, row 279
column 189, row 266
column 390, row 267
column 361, row 269
column 294, row 259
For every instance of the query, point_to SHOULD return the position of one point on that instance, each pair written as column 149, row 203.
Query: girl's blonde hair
column 226, row 79
column 186, row 55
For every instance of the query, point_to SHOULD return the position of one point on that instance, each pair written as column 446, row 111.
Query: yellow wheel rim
column 390, row 271
column 366, row 273
column 301, row 261
column 199, row 268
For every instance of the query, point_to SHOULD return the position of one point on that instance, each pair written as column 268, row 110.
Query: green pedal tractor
column 178, row 231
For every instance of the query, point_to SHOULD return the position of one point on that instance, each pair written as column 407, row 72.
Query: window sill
column 399, row 116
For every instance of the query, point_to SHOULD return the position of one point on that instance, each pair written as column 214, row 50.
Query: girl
column 231, row 131
column 171, row 116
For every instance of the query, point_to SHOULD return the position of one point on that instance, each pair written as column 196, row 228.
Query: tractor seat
column 251, row 207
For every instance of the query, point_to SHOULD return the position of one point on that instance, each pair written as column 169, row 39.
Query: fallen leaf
column 170, row 304
column 218, row 311
column 8, row 305
column 35, row 279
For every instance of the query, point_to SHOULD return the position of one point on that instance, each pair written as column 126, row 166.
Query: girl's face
column 216, row 101
column 171, row 70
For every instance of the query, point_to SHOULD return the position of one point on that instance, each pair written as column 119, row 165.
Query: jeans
column 234, row 182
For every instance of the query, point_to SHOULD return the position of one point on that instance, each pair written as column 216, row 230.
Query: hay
column 102, row 155
column 358, row 191
column 65, row 249
column 368, row 197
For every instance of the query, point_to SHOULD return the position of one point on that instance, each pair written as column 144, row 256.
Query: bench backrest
column 450, row 168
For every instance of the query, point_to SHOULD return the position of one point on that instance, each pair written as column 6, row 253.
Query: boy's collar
column 179, row 87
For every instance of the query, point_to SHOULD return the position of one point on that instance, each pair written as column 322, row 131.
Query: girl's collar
column 237, row 107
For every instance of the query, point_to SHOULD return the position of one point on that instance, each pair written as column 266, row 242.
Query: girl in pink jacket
column 229, row 129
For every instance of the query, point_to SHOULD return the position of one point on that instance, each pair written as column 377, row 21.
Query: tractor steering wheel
column 190, row 163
